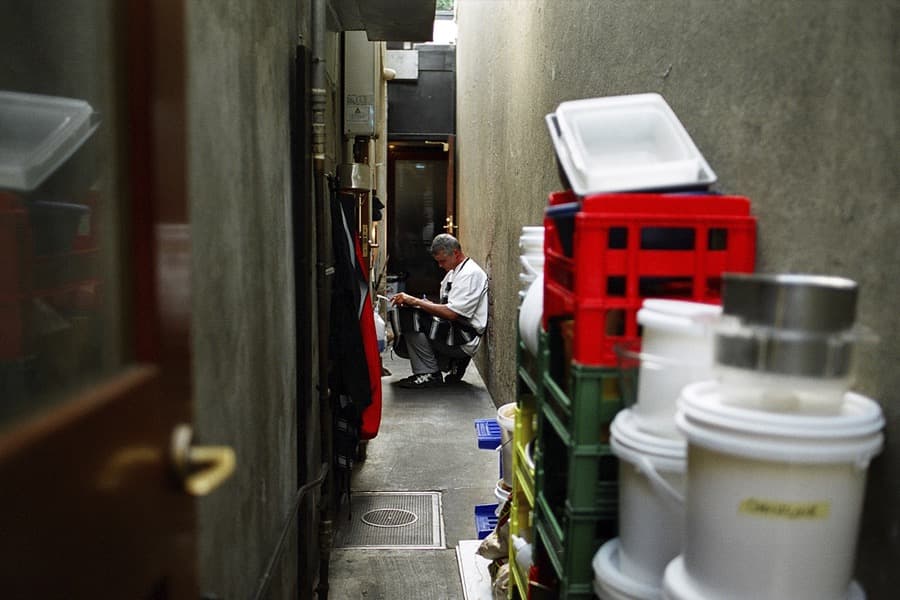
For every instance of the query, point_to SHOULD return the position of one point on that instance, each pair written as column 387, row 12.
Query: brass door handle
column 201, row 469
column 449, row 227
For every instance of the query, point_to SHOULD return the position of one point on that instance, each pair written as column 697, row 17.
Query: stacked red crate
column 612, row 251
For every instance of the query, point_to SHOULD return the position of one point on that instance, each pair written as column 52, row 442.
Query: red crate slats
column 663, row 245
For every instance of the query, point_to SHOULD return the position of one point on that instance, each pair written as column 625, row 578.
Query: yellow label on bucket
column 776, row 509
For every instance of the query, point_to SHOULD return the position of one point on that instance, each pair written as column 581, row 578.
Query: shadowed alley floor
column 426, row 442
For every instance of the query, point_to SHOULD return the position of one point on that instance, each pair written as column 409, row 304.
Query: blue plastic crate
column 488, row 432
column 485, row 519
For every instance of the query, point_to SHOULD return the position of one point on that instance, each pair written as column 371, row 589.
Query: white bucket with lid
column 531, row 242
column 773, row 498
column 530, row 313
column 610, row 583
column 676, row 349
column 506, row 417
column 501, row 493
column 651, row 499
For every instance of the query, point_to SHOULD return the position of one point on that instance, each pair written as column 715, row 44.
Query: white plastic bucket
column 532, row 239
column 651, row 499
column 676, row 349
column 530, row 313
column 532, row 264
column 501, row 493
column 774, row 499
column 506, row 417
column 610, row 583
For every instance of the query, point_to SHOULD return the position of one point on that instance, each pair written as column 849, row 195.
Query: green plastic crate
column 570, row 543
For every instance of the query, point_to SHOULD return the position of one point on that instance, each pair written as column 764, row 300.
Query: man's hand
column 439, row 310
column 401, row 299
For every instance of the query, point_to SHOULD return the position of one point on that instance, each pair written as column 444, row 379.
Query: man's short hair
column 445, row 244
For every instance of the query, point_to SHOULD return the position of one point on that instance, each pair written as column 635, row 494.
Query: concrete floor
column 426, row 442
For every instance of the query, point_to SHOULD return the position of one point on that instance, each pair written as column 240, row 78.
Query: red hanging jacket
column 371, row 417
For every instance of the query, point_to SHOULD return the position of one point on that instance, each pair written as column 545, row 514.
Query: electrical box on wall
column 360, row 71
column 404, row 62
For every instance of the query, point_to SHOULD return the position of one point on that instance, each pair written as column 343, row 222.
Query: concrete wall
column 240, row 60
column 794, row 104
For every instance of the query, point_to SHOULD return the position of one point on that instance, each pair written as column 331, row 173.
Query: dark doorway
column 420, row 186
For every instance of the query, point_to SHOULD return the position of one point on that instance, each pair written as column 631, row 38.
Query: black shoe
column 458, row 368
column 424, row 380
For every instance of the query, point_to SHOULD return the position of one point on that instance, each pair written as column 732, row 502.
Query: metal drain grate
column 408, row 520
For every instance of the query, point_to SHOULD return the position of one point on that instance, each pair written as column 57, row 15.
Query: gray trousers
column 428, row 356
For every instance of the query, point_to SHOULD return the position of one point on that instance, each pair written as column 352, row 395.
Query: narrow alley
column 205, row 204
column 427, row 443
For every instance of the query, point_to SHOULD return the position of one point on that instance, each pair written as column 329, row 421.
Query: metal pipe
column 323, row 270
column 266, row 578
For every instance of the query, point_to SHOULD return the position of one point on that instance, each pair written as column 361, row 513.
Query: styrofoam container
column 610, row 583
column 651, row 499
column 625, row 143
column 773, row 498
column 39, row 134
column 676, row 349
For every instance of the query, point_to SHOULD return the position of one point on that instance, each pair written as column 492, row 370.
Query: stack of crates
column 529, row 373
column 488, row 436
column 605, row 254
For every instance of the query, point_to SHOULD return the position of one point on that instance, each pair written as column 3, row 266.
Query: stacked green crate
column 530, row 372
column 576, row 473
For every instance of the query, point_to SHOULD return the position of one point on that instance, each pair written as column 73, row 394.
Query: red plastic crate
column 628, row 247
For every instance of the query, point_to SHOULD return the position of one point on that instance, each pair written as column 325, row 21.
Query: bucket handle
column 503, row 445
column 658, row 481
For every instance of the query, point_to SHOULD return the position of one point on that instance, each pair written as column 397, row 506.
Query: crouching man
column 449, row 341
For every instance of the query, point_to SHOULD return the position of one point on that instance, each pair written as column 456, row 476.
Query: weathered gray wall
column 793, row 103
column 240, row 58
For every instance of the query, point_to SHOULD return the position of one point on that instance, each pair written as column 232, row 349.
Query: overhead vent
column 386, row 20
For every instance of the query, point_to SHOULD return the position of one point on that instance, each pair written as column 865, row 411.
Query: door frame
column 94, row 508
column 422, row 147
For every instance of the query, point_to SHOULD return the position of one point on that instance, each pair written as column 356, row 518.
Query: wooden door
column 420, row 202
column 97, row 378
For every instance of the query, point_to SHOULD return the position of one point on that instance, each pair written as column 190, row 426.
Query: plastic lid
column 608, row 576
column 628, row 441
column 677, row 585
column 39, row 134
column 851, row 435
